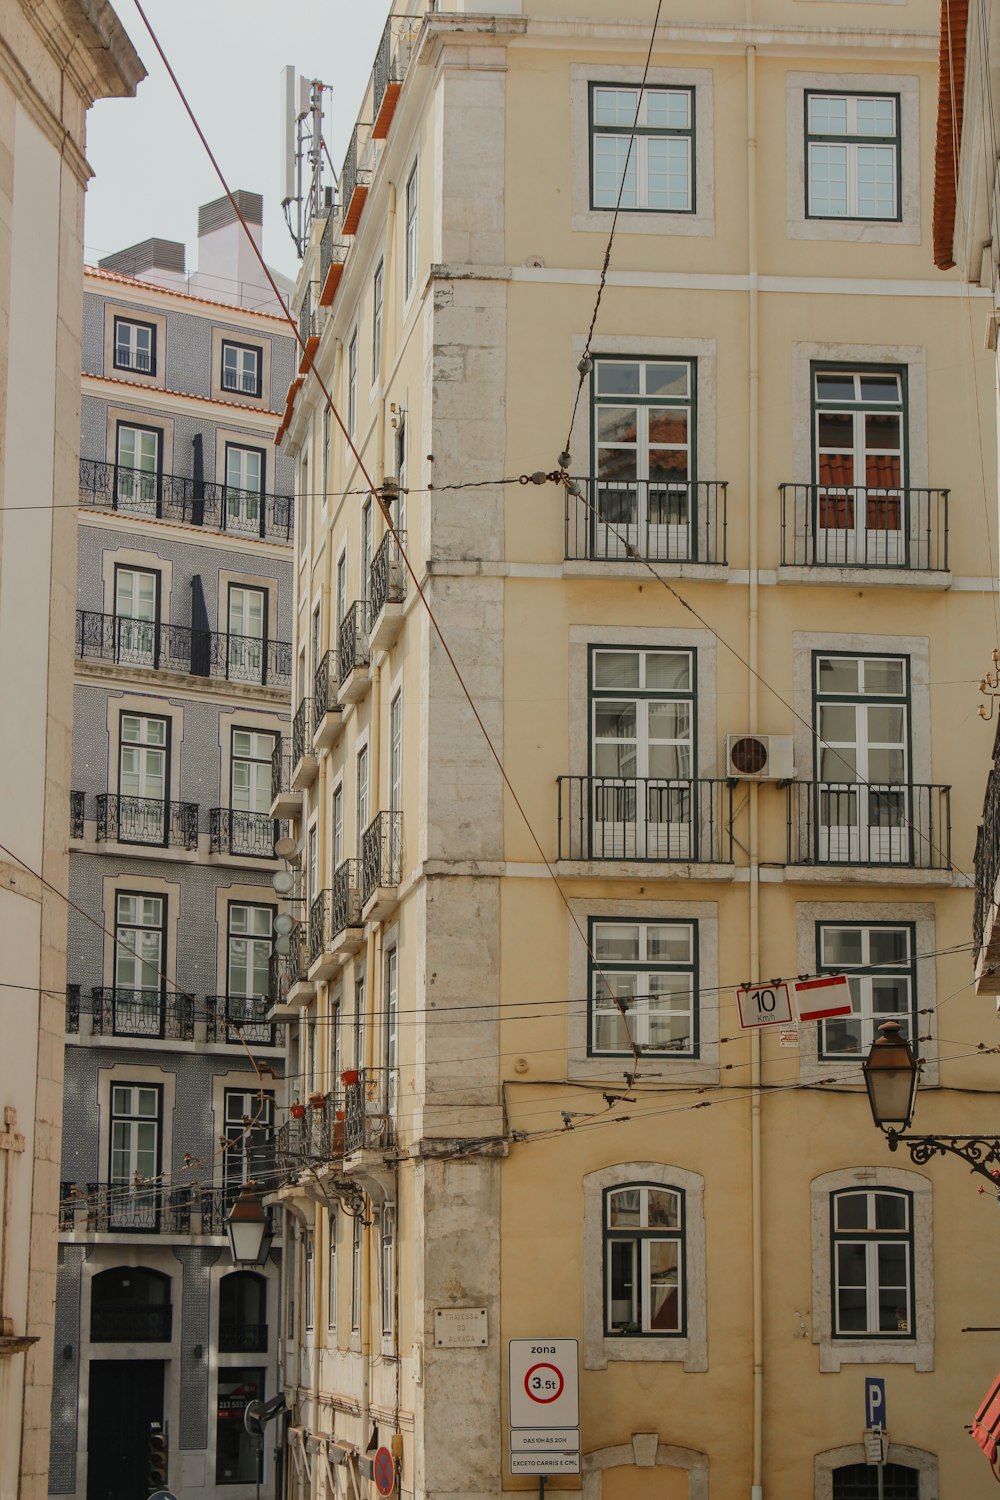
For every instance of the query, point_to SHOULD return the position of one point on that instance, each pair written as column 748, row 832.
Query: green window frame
column 644, row 1230
column 659, row 170
column 871, row 1272
column 883, row 987
column 860, row 461
column 852, row 156
column 649, row 966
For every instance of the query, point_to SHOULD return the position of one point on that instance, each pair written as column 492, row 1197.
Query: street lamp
column 891, row 1072
column 249, row 1230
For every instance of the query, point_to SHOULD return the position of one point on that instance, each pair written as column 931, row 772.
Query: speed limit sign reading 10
column 764, row 1005
column 544, row 1383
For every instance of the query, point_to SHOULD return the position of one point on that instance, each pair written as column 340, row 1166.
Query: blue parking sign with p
column 875, row 1402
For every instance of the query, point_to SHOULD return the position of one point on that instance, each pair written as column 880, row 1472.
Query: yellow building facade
column 725, row 652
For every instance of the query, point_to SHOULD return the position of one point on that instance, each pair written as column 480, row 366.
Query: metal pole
column 880, row 1491
column 541, row 1486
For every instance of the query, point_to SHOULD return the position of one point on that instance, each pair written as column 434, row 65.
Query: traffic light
column 156, row 1477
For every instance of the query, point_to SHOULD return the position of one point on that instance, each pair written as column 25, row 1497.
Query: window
column 396, row 753
column 130, row 1305
column 362, row 794
column 644, row 1259
column 387, row 1269
column 249, row 1130
column 135, row 1155
column 239, row 1458
column 331, row 1269
column 313, row 863
column 247, row 643
column 338, row 827
column 872, row 1245
column 241, row 368
column 852, row 156
column 352, row 384
column 137, row 472
column 410, row 255
column 341, row 588
column 366, row 549
column 245, row 469
column 643, row 425
column 243, row 1313
column 309, row 1281
column 248, row 957
column 377, row 322
column 649, row 970
column 140, row 943
column 356, row 1275
column 859, row 448
column 864, row 1482
column 143, row 750
column 861, row 714
column 135, row 346
column 401, row 476
column 642, row 753
column 137, row 610
column 315, row 625
column 658, row 170
column 251, row 828
column 359, row 1021
column 327, row 419
column 881, row 970
column 390, row 1031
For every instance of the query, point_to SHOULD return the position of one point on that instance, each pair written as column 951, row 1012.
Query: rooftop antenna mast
column 304, row 195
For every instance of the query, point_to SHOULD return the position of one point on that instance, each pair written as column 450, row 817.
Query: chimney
column 159, row 261
column 228, row 269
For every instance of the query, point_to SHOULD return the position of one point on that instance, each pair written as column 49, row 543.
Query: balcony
column 286, row 802
column 69, row 1197
column 381, row 865
column 354, row 653
column 328, row 716
column 370, row 1111
column 304, row 762
column 391, row 62
column 240, row 1019
column 332, row 259
column 242, row 1338
column 117, row 1208
column 147, row 821
column 985, row 926
column 72, row 1009
column 354, row 183
column 142, row 1013
column 853, row 526
column 292, row 1148
column 215, row 1203
column 308, row 330
column 77, row 814
column 628, row 520
column 323, row 962
column 387, row 590
column 645, row 820
column 348, row 928
column 187, row 502
column 289, row 975
column 178, row 648
column 130, row 1323
column 249, row 835
column 839, row 823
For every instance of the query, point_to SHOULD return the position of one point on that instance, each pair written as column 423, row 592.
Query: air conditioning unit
column 759, row 757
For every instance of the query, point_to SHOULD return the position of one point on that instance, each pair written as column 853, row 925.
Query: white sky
column 151, row 170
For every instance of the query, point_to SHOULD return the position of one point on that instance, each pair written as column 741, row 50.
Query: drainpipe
column 753, row 622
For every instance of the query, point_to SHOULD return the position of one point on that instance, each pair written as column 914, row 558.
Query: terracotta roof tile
column 951, row 95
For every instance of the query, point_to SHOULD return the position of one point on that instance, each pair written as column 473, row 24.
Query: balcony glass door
column 138, row 473
column 390, row 1020
column 642, row 705
column 135, row 1154
column 251, row 829
column 142, row 780
column 643, row 450
column 860, row 497
column 248, row 981
column 244, row 489
column 139, row 950
column 247, row 632
column 136, row 608
column 862, row 725
column 249, row 1131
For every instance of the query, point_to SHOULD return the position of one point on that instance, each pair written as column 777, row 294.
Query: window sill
column 884, row 578
column 635, row 1349
column 836, row 1352
column 642, row 221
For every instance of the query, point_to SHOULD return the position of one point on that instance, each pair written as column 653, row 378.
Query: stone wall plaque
column 460, row 1328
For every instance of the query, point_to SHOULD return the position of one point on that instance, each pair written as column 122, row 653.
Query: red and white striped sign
column 818, row 999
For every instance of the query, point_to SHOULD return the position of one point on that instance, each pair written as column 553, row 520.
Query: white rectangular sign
column 764, row 1005
column 818, row 999
column 545, row 1463
column 557, row 1439
column 544, row 1388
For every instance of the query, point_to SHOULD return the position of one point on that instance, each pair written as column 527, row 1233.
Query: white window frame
column 387, row 1270
column 309, row 1282
column 352, row 383
column 357, row 1246
column 411, row 230
column 332, row 1229
column 378, row 289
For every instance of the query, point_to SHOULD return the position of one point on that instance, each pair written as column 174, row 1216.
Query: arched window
column 860, row 1482
column 242, row 1313
column 130, row 1304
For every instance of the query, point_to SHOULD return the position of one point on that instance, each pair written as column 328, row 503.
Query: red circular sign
column 384, row 1472
column 545, row 1388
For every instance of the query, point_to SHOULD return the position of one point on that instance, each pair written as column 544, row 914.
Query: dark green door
column 126, row 1395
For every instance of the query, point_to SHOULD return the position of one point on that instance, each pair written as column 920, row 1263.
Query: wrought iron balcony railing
column 239, row 1019
column 619, row 520
column 292, row 1148
column 858, row 526
column 302, row 725
column 69, row 1196
column 325, row 680
column 134, row 1208
column 346, row 897
column 354, row 181
column 648, row 819
column 215, row 1202
column 388, row 576
column 370, row 1110
column 77, row 814
column 179, row 648
column 391, row 62
column 190, row 502
column 381, row 852
column 242, row 1338
column 987, row 865
column 843, row 823
column 249, row 834
column 281, row 766
column 306, row 319
column 72, row 1008
column 352, row 639
column 287, row 969
column 130, row 1323
column 320, row 925
column 148, row 821
column 142, row 1013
